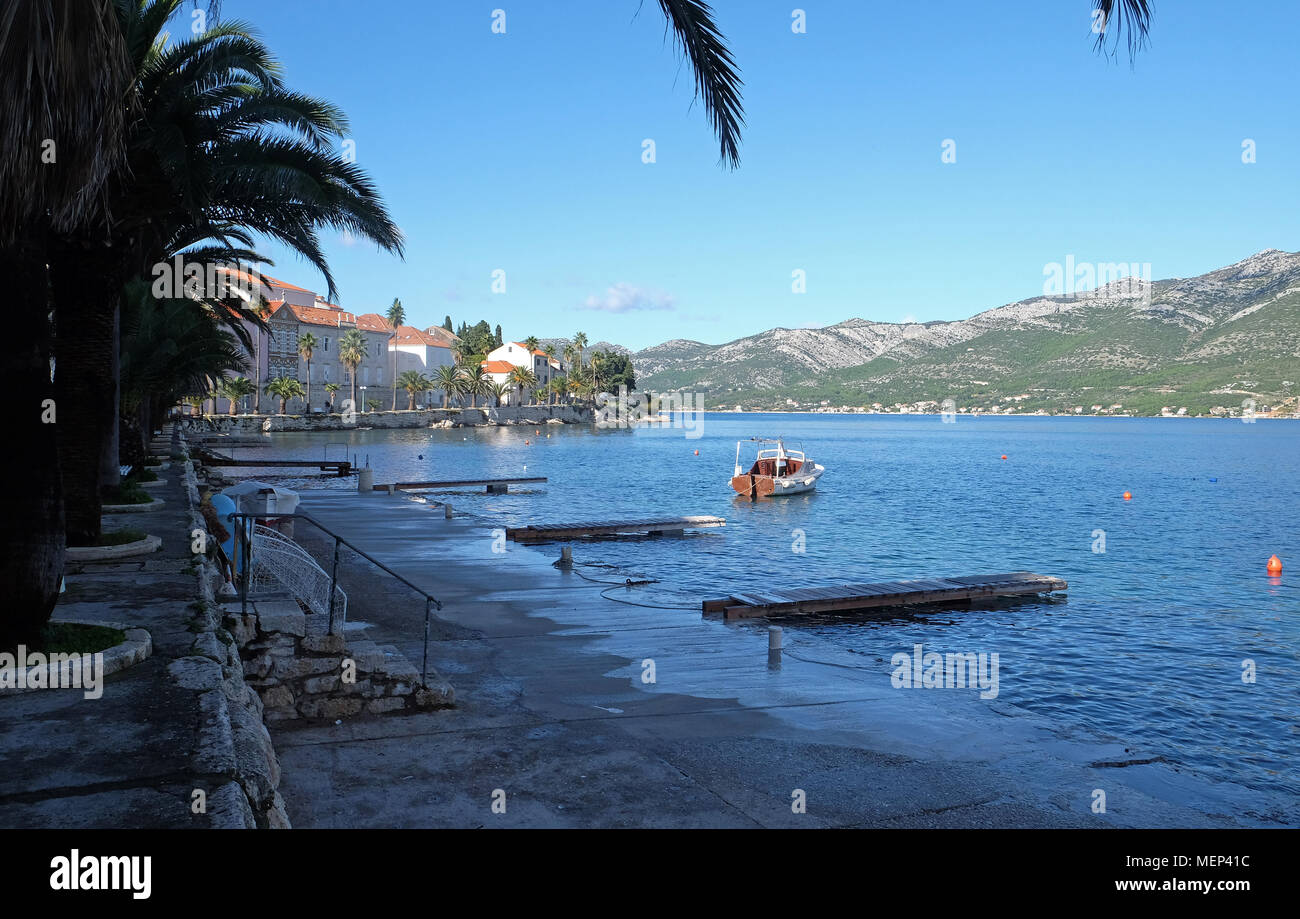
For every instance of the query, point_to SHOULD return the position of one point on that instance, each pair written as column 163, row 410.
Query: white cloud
column 627, row 298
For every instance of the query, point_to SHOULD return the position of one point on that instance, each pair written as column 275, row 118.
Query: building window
column 327, row 345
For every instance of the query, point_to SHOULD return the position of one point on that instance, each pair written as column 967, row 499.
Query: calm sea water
column 1148, row 648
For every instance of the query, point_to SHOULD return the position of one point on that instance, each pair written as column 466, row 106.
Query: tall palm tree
column 522, row 378
column 217, row 150
column 413, row 382
column 64, row 68
column 531, row 343
column 479, row 385
column 284, row 389
column 306, row 347
column 448, row 377
column 395, row 316
column 352, row 351
column 579, row 346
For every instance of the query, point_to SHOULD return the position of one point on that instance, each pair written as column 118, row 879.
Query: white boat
column 775, row 471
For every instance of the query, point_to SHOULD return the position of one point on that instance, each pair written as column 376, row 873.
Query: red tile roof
column 315, row 315
column 373, row 322
column 442, row 334
column 275, row 282
column 409, row 335
column 498, row 366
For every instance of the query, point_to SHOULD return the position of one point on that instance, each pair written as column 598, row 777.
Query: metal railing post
column 245, row 550
column 334, row 581
column 424, row 670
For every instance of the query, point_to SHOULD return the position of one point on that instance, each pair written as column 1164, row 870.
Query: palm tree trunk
column 32, row 526
column 87, row 292
column 308, row 386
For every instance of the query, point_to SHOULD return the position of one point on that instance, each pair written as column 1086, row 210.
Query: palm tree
column 352, row 351
column 306, row 345
column 413, row 382
column 522, row 378
column 284, row 389
column 63, row 65
column 330, row 390
column 579, row 346
column 234, row 389
column 212, row 141
column 396, row 316
column 447, row 377
column 169, row 351
column 498, row 391
column 477, row 385
column 531, row 343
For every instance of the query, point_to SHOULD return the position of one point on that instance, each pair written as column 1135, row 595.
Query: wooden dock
column 494, row 486
column 664, row 526
column 339, row 467
column 849, row 597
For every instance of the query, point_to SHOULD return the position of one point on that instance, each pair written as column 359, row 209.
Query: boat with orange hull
column 776, row 471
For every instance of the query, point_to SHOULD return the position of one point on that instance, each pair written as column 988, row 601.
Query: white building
column 501, row 361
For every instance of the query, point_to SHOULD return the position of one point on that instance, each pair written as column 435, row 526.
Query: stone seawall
column 420, row 418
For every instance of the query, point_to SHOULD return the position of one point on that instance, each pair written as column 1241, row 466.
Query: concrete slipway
column 552, row 710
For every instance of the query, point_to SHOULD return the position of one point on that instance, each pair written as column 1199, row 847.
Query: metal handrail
column 245, row 549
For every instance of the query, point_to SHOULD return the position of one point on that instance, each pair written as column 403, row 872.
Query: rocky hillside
column 1202, row 344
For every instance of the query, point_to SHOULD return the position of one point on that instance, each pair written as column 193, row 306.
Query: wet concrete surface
column 554, row 713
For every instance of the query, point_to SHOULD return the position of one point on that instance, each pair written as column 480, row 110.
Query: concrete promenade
column 553, row 713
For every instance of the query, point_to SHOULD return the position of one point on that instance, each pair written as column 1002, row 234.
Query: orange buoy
column 1004, row 456
column 1275, row 565
column 525, row 443
column 697, row 452
column 1128, row 496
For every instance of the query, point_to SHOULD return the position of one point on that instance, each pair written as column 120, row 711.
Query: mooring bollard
column 774, row 636
column 446, row 508
column 566, row 557
column 365, row 481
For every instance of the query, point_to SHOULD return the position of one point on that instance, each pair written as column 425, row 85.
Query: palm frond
column 1126, row 19
column 717, row 80
column 65, row 72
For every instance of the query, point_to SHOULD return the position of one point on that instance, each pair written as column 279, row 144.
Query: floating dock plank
column 494, row 486
column 208, row 458
column 558, row 531
column 848, row 597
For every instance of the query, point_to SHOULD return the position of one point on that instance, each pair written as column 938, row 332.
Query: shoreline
column 217, row 425
column 554, row 679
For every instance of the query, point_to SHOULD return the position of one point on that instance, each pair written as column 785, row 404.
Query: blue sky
column 523, row 152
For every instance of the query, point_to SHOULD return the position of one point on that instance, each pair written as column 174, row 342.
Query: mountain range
column 1211, row 344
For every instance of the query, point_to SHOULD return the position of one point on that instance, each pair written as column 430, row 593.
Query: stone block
column 320, row 684
column 329, row 708
column 323, row 644
column 379, row 706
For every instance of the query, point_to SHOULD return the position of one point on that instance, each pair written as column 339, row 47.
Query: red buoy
column 697, row 452
column 1004, row 456
column 1128, row 496
column 1275, row 565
